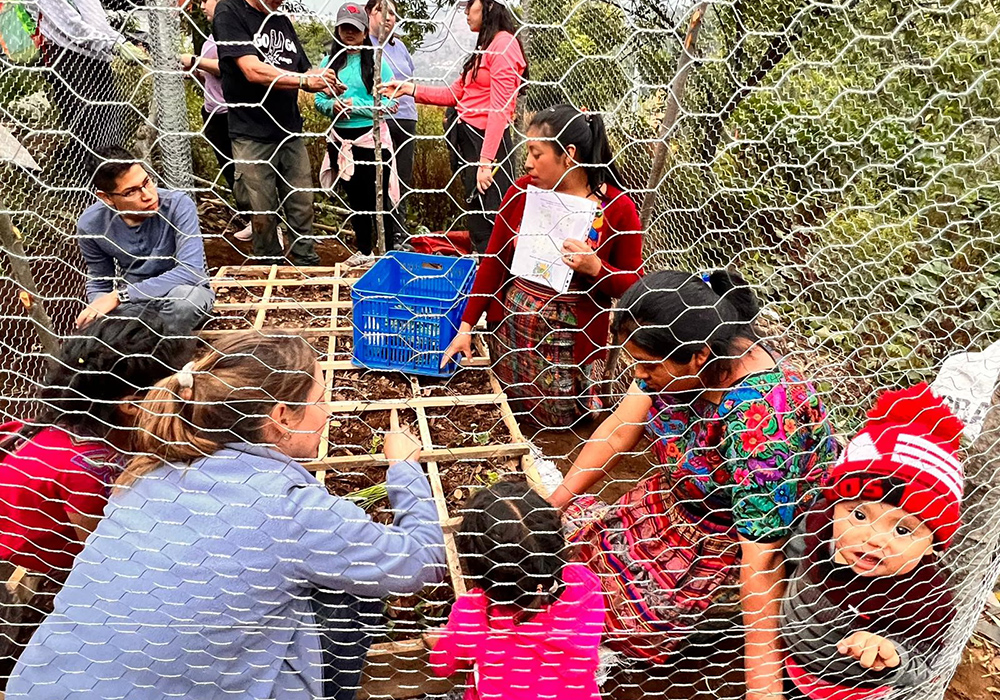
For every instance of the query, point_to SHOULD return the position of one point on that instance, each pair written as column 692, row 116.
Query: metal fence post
column 169, row 101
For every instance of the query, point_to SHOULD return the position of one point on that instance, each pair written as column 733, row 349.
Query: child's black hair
column 512, row 546
column 111, row 359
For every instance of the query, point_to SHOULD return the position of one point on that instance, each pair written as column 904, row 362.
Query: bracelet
column 302, row 81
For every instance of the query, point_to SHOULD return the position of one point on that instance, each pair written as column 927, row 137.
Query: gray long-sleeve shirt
column 80, row 25
column 163, row 252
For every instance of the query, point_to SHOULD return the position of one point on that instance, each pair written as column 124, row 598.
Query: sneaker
column 359, row 259
column 245, row 233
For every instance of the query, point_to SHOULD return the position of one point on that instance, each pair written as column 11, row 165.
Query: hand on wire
column 394, row 89
column 870, row 650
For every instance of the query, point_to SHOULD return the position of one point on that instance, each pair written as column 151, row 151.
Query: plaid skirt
column 533, row 357
column 24, row 604
column 666, row 571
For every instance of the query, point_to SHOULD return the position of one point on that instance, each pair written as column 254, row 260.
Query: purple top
column 398, row 57
column 214, row 99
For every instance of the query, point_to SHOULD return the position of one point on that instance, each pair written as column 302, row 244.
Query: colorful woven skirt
column 666, row 572
column 533, row 357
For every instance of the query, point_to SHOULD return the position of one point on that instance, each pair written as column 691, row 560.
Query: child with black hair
column 866, row 609
column 531, row 626
column 57, row 468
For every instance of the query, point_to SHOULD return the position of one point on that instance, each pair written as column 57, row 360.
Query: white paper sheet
column 550, row 218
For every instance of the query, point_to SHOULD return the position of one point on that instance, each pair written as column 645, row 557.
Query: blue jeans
column 183, row 309
column 346, row 629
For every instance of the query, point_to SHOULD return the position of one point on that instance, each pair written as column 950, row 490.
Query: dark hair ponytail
column 674, row 314
column 567, row 126
column 512, row 546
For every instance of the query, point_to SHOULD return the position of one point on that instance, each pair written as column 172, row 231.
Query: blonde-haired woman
column 201, row 580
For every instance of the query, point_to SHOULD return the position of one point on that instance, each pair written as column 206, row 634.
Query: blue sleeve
column 100, row 265
column 190, row 255
column 323, row 102
column 340, row 547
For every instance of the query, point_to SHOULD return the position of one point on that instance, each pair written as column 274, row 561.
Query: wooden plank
column 423, row 402
column 288, row 304
column 259, row 320
column 432, row 469
column 262, row 281
column 341, row 365
column 402, row 670
column 436, row 455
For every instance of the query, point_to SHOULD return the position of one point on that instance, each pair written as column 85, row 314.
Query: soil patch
column 239, row 295
column 346, row 480
column 463, row 383
column 407, row 617
column 297, row 318
column 304, row 292
column 344, row 292
column 467, row 426
column 363, row 433
column 231, row 321
column 461, row 478
column 361, row 385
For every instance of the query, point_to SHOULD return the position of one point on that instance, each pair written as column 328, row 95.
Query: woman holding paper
column 548, row 344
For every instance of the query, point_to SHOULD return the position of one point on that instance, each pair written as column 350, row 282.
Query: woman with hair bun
column 548, row 348
column 222, row 568
column 740, row 437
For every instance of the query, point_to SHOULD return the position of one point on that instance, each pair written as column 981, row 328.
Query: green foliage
column 577, row 54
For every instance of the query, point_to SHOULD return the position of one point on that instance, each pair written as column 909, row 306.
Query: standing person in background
column 263, row 66
column 485, row 96
column 78, row 46
column 58, row 466
column 402, row 124
column 351, row 144
column 215, row 113
column 548, row 348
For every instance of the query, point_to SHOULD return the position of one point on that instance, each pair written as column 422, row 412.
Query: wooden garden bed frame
column 397, row 669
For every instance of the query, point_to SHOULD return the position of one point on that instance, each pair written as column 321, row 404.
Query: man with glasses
column 142, row 247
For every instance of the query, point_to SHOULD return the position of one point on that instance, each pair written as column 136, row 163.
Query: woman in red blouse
column 485, row 95
column 548, row 348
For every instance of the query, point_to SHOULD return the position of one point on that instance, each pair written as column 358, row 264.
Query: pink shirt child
column 488, row 102
column 552, row 656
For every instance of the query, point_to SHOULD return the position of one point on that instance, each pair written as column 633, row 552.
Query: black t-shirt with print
column 241, row 30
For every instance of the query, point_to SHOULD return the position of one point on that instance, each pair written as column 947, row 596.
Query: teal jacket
column 359, row 115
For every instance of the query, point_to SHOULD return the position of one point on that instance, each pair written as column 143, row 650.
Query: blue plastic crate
column 407, row 310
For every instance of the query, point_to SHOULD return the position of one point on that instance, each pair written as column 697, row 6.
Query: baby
column 866, row 608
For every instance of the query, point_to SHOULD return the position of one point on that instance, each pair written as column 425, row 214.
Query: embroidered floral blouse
column 751, row 460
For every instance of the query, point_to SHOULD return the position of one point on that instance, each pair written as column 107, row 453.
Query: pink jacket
column 551, row 657
column 487, row 102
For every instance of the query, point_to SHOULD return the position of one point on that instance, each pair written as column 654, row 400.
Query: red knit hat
column 906, row 455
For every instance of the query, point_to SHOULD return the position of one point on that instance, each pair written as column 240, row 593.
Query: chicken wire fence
column 842, row 156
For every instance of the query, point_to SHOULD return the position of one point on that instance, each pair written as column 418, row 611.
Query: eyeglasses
column 148, row 184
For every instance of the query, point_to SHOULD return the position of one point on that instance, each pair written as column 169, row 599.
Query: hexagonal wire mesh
column 843, row 157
